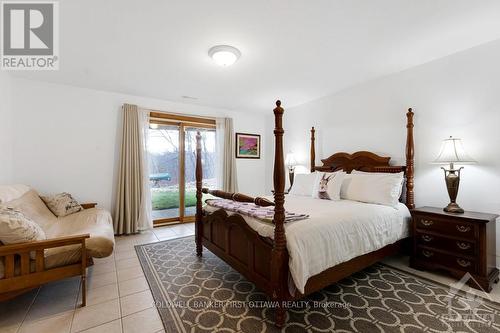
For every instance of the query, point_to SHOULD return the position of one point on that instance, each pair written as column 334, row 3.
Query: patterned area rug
column 206, row 295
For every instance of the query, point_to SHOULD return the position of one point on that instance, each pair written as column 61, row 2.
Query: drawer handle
column 463, row 245
column 427, row 222
column 426, row 238
column 428, row 254
column 463, row 263
column 463, row 228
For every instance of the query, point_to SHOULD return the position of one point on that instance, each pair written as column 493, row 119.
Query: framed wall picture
column 247, row 145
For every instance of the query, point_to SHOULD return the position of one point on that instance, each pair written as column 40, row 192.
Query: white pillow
column 327, row 185
column 383, row 173
column 303, row 184
column 378, row 188
column 12, row 192
column 15, row 227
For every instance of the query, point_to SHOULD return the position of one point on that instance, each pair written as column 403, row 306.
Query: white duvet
column 335, row 232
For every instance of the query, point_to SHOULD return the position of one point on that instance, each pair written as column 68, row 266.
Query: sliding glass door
column 164, row 172
column 172, row 161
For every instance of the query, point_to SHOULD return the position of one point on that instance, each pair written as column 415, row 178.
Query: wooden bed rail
column 259, row 201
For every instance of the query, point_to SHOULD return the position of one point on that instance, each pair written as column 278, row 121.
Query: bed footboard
column 263, row 262
column 231, row 239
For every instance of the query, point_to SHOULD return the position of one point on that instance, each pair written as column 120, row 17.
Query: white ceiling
column 293, row 50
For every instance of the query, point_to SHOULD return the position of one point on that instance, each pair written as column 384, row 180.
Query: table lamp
column 452, row 151
column 290, row 162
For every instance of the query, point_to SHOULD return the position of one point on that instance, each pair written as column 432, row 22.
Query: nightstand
column 457, row 243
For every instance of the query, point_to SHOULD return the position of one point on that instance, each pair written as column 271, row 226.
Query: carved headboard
column 371, row 162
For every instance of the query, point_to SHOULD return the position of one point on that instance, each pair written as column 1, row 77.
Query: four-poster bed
column 264, row 260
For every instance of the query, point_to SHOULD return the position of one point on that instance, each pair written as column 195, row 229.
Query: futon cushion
column 377, row 188
column 33, row 207
column 15, row 227
column 12, row 192
column 327, row 185
column 94, row 221
column 62, row 204
column 303, row 184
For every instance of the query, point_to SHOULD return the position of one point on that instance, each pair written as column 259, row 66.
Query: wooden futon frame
column 18, row 280
column 264, row 261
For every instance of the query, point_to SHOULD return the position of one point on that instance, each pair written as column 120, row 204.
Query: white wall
column 66, row 139
column 5, row 129
column 458, row 95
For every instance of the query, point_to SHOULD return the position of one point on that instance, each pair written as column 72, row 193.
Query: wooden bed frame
column 264, row 261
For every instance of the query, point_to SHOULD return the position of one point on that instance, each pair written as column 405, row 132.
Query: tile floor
column 118, row 298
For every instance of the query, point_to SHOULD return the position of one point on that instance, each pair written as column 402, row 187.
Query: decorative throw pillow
column 327, row 185
column 303, row 184
column 62, row 204
column 15, row 227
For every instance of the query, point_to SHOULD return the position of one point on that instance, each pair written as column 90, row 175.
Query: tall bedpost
column 198, row 228
column 410, row 161
column 313, row 152
column 279, row 257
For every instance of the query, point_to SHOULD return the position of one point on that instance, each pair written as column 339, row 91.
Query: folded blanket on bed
column 265, row 214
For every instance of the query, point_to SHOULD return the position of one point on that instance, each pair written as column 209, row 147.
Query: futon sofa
column 71, row 243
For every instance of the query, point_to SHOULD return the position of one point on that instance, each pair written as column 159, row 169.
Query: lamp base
column 453, row 208
column 291, row 174
column 452, row 178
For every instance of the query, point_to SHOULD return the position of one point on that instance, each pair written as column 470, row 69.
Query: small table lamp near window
column 290, row 162
column 452, row 151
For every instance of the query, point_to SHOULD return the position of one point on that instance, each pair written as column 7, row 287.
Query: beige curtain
column 226, row 173
column 133, row 204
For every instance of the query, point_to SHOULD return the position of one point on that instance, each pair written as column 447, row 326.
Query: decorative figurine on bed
column 323, row 187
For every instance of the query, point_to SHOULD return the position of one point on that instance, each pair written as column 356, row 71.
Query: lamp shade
column 452, row 151
column 290, row 159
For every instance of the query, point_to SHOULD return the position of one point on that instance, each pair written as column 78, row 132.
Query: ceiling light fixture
column 224, row 55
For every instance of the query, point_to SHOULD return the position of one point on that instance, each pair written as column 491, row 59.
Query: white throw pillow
column 378, row 188
column 327, row 185
column 303, row 184
column 12, row 192
column 62, row 204
column 15, row 227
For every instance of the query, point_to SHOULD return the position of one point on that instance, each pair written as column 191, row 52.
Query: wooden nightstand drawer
column 458, row 243
column 445, row 226
column 459, row 247
column 447, row 260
